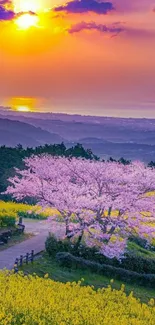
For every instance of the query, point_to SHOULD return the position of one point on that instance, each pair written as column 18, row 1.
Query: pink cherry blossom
column 105, row 202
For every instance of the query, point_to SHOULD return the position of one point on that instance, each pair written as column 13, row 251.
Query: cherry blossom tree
column 106, row 200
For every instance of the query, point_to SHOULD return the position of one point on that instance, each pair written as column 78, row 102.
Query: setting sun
column 26, row 21
column 23, row 109
column 22, row 104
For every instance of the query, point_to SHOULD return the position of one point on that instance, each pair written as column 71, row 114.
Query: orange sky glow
column 78, row 57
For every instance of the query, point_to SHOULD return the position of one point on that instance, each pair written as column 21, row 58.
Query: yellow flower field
column 25, row 210
column 30, row 300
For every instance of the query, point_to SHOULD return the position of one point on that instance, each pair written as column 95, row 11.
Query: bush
column 32, row 300
column 32, row 215
column 139, row 264
column 7, row 219
column 53, row 245
column 70, row 261
column 132, row 262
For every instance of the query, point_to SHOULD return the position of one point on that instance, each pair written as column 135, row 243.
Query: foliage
column 107, row 200
column 7, row 219
column 133, row 261
column 121, row 161
column 53, row 246
column 70, row 261
column 33, row 213
column 151, row 164
column 33, row 300
column 13, row 157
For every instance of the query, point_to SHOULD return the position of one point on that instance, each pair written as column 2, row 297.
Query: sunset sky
column 81, row 56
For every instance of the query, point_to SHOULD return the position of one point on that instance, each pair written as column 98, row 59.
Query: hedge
column 131, row 262
column 70, row 261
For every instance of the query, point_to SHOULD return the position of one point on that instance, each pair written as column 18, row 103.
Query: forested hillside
column 13, row 157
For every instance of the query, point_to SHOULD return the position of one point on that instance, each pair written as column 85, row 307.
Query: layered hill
column 117, row 137
column 15, row 132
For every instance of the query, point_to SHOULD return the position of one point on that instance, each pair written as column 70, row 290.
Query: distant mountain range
column 15, row 132
column 131, row 138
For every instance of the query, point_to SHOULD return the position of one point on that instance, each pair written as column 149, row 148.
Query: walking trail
column 40, row 229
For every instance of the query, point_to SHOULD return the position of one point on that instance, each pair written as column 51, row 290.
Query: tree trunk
column 68, row 231
column 109, row 211
column 79, row 240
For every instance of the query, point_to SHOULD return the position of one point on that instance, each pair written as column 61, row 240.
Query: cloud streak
column 84, row 6
column 114, row 29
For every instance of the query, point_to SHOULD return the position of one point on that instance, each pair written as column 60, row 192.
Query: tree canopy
column 108, row 201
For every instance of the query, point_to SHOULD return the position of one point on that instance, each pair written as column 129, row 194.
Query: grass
column 45, row 265
column 140, row 251
column 15, row 239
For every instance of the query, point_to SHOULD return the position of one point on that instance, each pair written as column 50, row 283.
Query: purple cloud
column 6, row 14
column 84, row 6
column 133, row 5
column 114, row 29
column 21, row 13
column 5, row 2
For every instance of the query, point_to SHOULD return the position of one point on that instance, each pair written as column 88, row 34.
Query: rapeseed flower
column 31, row 300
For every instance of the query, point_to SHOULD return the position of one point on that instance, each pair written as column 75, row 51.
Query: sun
column 26, row 21
column 23, row 109
column 22, row 104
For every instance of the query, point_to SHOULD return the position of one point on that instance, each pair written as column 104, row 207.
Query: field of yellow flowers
column 24, row 210
column 30, row 300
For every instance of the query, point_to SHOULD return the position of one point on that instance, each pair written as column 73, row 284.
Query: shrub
column 132, row 262
column 68, row 260
column 32, row 300
column 7, row 219
column 139, row 264
column 32, row 214
column 53, row 245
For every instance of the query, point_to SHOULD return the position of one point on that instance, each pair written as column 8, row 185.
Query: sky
column 89, row 57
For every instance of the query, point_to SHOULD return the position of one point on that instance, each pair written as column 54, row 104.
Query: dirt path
column 40, row 229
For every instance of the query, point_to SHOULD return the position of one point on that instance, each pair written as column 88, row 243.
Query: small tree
column 107, row 201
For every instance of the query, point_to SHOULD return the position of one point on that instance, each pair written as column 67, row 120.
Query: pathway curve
column 40, row 229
